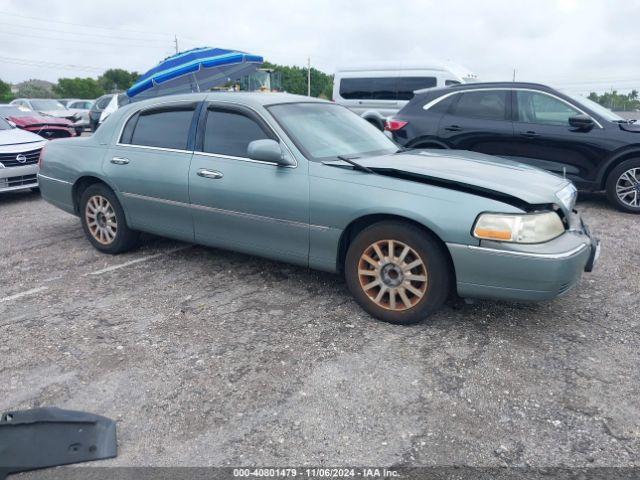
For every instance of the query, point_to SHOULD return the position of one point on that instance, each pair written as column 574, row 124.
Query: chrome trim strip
column 146, row 147
column 225, row 212
column 242, row 159
column 549, row 256
column 447, row 95
column 54, row 179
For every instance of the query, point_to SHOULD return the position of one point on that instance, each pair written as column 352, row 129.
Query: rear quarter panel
column 65, row 161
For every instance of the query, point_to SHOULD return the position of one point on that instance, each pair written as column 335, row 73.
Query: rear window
column 166, row 127
column 383, row 88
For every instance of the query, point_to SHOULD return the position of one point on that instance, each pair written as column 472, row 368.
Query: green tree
column 294, row 80
column 5, row 92
column 117, row 79
column 617, row 101
column 78, row 88
column 35, row 89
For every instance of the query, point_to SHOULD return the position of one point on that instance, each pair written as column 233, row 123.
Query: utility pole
column 514, row 75
column 175, row 40
column 308, row 76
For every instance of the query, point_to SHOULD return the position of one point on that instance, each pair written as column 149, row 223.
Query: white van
column 378, row 91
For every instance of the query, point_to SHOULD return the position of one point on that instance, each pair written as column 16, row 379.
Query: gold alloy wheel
column 101, row 219
column 392, row 274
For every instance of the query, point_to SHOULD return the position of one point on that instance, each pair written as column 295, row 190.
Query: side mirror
column 12, row 124
column 268, row 150
column 581, row 122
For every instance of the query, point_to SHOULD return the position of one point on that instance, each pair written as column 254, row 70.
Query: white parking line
column 23, row 294
column 137, row 260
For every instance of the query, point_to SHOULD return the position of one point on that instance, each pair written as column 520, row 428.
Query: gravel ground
column 207, row 357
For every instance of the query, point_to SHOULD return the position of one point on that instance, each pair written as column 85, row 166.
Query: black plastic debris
column 48, row 437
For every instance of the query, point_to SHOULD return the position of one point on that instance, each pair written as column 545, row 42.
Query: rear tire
column 397, row 272
column 103, row 220
column 623, row 186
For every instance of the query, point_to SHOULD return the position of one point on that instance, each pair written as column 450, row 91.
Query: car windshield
column 47, row 105
column 596, row 107
column 325, row 131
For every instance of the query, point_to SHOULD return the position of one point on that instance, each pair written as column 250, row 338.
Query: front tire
column 623, row 186
column 103, row 221
column 397, row 272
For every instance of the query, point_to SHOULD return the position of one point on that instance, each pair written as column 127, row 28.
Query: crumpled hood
column 35, row 119
column 11, row 138
column 530, row 184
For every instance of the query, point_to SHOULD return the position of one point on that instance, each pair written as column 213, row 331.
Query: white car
column 377, row 91
column 19, row 154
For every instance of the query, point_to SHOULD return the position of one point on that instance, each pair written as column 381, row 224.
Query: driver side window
column 535, row 107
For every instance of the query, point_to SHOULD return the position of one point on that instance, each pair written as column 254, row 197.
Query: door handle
column 453, row 128
column 529, row 134
column 119, row 161
column 214, row 174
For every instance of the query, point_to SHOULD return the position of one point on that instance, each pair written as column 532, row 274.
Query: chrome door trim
column 54, row 179
column 549, row 256
column 225, row 212
column 435, row 101
column 213, row 174
column 120, row 161
column 242, row 159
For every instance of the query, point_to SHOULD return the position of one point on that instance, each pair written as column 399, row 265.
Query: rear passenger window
column 487, row 104
column 166, row 127
column 229, row 132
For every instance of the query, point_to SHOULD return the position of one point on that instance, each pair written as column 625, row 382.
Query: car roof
column 481, row 85
column 247, row 98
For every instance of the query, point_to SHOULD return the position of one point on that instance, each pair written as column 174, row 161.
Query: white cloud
column 579, row 45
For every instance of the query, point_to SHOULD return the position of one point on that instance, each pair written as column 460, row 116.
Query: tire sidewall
column 612, row 180
column 430, row 250
column 124, row 236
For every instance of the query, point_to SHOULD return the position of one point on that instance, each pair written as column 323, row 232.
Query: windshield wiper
column 356, row 165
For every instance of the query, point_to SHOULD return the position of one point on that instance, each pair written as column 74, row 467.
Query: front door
column 544, row 138
column 479, row 121
column 242, row 204
column 149, row 165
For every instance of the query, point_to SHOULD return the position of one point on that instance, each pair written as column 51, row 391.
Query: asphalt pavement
column 206, row 357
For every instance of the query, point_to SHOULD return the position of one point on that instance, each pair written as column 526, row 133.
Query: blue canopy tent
column 193, row 71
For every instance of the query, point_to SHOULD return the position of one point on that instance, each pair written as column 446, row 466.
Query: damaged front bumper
column 511, row 271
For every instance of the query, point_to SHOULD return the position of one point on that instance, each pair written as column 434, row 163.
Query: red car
column 45, row 126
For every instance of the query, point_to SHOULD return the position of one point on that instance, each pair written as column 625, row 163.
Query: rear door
column 480, row 121
column 149, row 165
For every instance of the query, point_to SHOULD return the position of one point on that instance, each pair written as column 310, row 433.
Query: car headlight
column 568, row 196
column 518, row 228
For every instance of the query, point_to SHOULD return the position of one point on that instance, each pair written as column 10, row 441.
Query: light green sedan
column 308, row 182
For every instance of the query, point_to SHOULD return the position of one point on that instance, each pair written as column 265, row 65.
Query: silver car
column 19, row 154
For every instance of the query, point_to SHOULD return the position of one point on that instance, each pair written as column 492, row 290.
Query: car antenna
column 564, row 172
column 356, row 165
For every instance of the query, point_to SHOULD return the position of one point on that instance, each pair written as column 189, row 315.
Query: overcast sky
column 579, row 45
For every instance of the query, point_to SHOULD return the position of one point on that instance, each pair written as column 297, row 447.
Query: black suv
column 533, row 124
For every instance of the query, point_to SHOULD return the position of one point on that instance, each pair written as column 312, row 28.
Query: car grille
column 10, row 159
column 18, row 181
